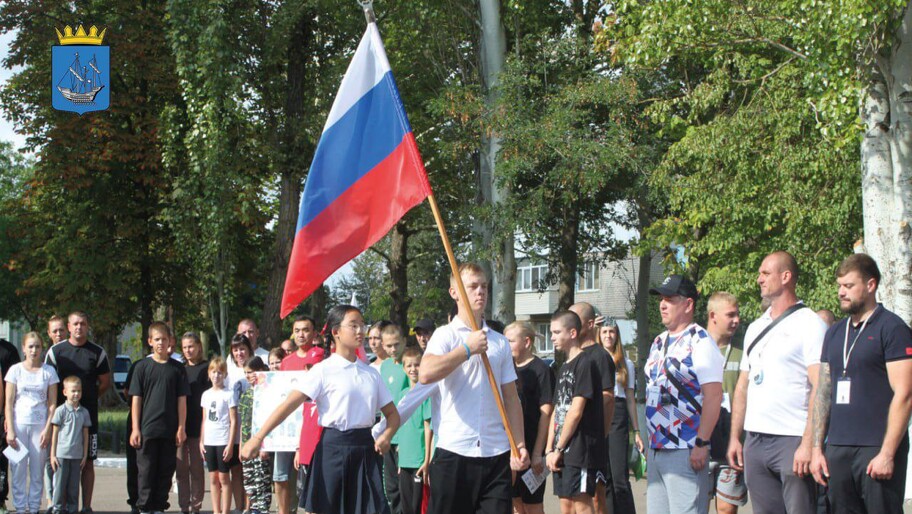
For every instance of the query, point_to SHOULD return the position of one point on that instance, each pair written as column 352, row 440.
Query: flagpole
column 460, row 287
column 368, row 7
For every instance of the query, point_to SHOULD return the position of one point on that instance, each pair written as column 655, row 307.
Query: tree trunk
column 289, row 184
column 398, row 270
column 568, row 262
column 887, row 170
column 643, row 337
column 493, row 50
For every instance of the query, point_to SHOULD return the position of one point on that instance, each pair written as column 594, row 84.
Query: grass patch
column 112, row 423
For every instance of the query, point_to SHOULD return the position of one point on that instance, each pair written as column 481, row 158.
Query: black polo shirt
column 886, row 338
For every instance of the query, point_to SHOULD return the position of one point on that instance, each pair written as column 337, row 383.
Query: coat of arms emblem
column 80, row 66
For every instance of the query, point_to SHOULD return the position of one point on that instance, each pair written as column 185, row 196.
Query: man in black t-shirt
column 863, row 400
column 604, row 364
column 88, row 361
column 576, row 439
column 9, row 356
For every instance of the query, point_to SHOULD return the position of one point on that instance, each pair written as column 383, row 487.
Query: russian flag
column 366, row 174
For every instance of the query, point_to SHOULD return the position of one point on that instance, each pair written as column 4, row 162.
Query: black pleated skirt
column 345, row 475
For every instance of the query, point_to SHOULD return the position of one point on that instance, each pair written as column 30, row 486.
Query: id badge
column 726, row 402
column 652, row 396
column 843, row 391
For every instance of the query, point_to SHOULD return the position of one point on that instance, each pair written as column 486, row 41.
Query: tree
column 566, row 123
column 886, row 156
column 95, row 238
column 761, row 156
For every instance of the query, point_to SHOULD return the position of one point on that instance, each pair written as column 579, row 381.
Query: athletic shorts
column 282, row 465
column 730, row 485
column 573, row 481
column 215, row 462
column 520, row 490
column 93, row 447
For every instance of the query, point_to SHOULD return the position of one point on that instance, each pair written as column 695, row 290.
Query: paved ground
column 110, row 495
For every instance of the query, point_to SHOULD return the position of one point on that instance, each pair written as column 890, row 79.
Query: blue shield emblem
column 80, row 73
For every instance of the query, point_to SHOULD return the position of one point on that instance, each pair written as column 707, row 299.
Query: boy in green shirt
column 397, row 382
column 415, row 436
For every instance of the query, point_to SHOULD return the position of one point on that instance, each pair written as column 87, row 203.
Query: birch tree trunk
column 493, row 49
column 887, row 169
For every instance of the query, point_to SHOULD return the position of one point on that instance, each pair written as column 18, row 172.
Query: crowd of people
column 421, row 428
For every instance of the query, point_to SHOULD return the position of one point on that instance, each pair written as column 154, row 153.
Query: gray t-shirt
column 69, row 436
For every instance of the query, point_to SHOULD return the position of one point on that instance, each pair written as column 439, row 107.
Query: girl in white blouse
column 345, row 472
column 31, row 396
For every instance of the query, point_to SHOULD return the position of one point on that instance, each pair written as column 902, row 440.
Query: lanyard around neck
column 846, row 349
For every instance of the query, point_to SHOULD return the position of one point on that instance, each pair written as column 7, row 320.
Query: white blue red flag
column 366, row 174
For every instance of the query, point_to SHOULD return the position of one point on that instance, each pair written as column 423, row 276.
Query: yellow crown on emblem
column 80, row 37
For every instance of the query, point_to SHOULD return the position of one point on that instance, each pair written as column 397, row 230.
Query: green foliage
column 759, row 103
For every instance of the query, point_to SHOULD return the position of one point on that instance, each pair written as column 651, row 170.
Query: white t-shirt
column 778, row 405
column 216, row 405
column 31, row 392
column 347, row 394
column 620, row 392
column 470, row 423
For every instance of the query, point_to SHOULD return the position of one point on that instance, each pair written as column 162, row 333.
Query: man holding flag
column 367, row 145
column 471, row 467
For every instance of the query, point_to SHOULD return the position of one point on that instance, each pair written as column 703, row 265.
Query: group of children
column 341, row 401
column 38, row 430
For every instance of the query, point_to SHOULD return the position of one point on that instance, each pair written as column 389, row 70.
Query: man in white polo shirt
column 779, row 370
column 470, row 471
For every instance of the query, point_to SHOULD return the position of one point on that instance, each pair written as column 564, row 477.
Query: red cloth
column 310, row 433
column 292, row 363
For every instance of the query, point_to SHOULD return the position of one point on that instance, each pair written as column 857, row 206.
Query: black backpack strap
column 788, row 312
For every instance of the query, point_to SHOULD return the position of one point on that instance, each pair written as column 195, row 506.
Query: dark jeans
column 619, row 496
column 852, row 491
column 470, row 484
column 391, row 479
column 156, row 461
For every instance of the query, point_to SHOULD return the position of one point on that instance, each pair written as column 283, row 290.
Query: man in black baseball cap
column 683, row 399
column 423, row 331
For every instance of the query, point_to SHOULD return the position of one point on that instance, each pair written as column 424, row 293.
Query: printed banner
column 271, row 390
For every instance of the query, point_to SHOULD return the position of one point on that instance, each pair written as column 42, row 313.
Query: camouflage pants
column 258, row 484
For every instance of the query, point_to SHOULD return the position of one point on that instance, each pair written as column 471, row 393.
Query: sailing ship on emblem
column 84, row 82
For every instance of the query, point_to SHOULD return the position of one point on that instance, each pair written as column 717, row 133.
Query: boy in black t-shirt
column 576, row 438
column 159, row 412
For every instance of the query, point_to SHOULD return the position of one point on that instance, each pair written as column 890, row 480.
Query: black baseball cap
column 425, row 324
column 677, row 285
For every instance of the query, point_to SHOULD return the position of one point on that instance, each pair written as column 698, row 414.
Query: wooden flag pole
column 367, row 6
column 465, row 301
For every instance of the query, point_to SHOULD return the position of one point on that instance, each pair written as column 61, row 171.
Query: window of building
column 544, row 342
column 588, row 279
column 531, row 277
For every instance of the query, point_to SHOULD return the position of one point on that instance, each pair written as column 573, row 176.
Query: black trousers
column 619, row 495
column 411, row 491
column 470, row 484
column 131, row 467
column 4, row 463
column 156, row 461
column 852, row 491
column 391, row 479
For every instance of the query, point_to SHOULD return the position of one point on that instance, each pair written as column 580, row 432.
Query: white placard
column 271, row 390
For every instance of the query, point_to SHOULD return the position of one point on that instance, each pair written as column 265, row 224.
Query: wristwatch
column 701, row 443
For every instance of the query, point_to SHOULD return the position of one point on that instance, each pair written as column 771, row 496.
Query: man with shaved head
column 604, row 365
column 779, row 370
